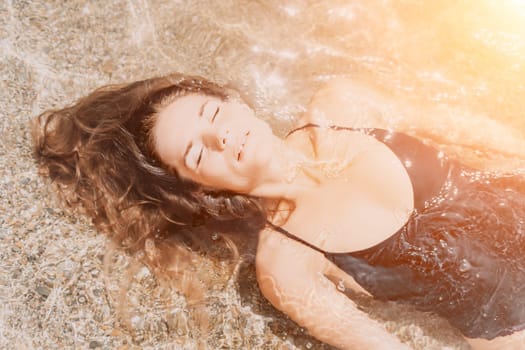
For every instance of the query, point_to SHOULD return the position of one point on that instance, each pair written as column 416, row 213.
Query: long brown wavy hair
column 99, row 153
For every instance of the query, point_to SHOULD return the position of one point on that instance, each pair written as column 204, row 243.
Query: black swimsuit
column 462, row 252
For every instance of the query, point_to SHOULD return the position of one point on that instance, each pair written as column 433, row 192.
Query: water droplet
column 137, row 322
column 322, row 279
column 150, row 249
column 309, row 345
column 142, row 273
column 477, row 275
column 341, row 286
column 440, row 298
column 464, row 265
column 291, row 11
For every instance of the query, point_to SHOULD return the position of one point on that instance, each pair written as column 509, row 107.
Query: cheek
column 189, row 175
column 261, row 155
column 223, row 175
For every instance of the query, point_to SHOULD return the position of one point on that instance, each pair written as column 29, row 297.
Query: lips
column 241, row 146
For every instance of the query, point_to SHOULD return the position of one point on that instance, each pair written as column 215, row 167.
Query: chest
column 364, row 194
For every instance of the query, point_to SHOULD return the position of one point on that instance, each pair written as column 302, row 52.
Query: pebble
column 94, row 344
column 43, row 291
column 115, row 332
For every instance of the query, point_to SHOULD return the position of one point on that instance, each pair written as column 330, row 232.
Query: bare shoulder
column 280, row 258
column 344, row 102
column 285, row 269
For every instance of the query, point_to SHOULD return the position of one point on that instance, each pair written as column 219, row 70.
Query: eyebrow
column 201, row 110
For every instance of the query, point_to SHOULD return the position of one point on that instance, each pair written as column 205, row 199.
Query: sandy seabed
column 53, row 290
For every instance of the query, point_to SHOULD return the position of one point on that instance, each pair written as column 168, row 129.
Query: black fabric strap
column 336, row 128
column 294, row 237
column 286, row 232
column 332, row 127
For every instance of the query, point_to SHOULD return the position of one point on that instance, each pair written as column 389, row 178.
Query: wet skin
column 217, row 143
column 221, row 144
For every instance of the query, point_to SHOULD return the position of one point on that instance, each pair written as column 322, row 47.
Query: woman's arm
column 293, row 278
column 344, row 102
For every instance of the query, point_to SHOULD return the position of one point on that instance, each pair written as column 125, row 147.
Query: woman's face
column 216, row 143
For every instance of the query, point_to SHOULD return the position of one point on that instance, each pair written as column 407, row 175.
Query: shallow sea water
column 452, row 72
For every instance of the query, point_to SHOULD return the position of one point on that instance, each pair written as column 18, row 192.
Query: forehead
column 175, row 126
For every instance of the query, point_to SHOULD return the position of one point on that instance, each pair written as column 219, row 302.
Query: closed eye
column 215, row 114
column 199, row 158
column 193, row 156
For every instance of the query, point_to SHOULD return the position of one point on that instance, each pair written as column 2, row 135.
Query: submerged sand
column 458, row 81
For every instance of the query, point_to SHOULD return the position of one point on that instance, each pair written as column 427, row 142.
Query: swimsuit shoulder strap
column 333, row 127
column 427, row 167
column 294, row 237
column 370, row 131
column 281, row 229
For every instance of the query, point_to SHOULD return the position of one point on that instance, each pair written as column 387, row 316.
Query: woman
column 336, row 208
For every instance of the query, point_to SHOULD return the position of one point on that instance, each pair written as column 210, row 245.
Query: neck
column 292, row 173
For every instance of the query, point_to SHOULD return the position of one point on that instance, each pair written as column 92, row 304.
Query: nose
column 216, row 138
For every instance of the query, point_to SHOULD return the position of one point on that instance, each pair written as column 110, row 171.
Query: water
column 449, row 71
